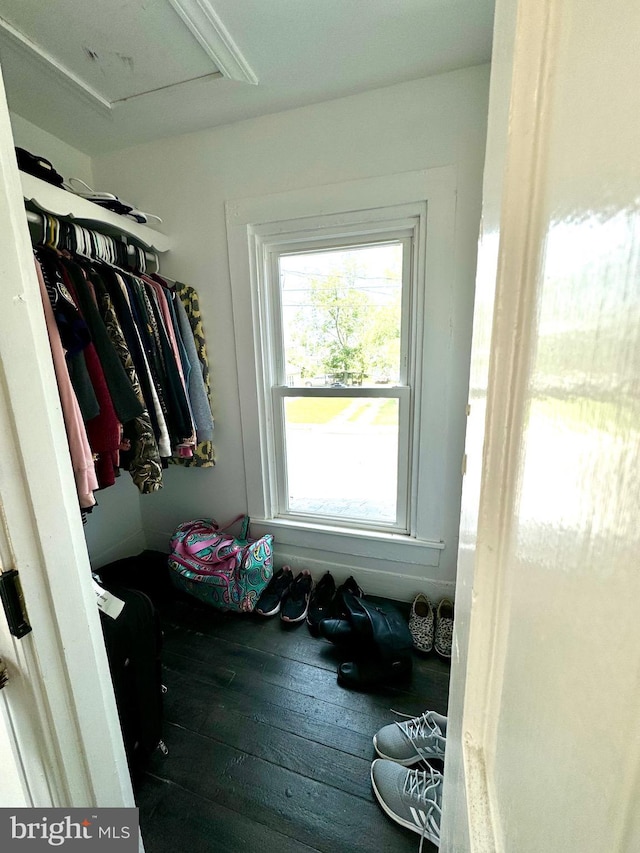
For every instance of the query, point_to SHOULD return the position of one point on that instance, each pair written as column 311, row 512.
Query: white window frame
column 347, row 232
column 421, row 201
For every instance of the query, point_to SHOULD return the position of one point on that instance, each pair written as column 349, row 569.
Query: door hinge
column 13, row 603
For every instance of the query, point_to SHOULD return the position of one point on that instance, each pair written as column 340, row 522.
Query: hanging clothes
column 125, row 401
column 151, row 390
column 198, row 391
column 133, row 365
column 180, row 416
column 204, row 452
column 73, row 331
column 106, row 277
column 143, row 461
column 144, row 323
column 79, row 449
column 103, row 430
column 170, row 358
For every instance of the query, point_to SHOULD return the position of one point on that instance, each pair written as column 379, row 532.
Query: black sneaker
column 271, row 598
column 320, row 604
column 338, row 609
column 295, row 605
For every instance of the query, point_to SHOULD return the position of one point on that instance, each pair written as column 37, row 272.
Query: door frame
column 59, row 730
column 504, row 328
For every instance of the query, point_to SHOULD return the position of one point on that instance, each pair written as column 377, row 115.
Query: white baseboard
column 397, row 581
column 391, row 584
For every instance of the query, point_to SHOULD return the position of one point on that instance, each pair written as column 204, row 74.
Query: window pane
column 342, row 456
column 341, row 313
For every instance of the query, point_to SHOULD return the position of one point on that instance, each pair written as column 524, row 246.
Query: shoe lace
column 422, row 727
column 422, row 786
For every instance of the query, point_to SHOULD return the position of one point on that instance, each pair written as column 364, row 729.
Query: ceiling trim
column 214, row 38
column 31, row 49
column 197, row 15
column 212, row 75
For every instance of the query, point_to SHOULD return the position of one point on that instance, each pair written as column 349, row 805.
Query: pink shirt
column 81, row 456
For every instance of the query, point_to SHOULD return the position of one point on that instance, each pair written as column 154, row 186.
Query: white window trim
column 428, row 194
column 350, row 229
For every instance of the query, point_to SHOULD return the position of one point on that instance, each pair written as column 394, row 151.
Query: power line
column 311, row 273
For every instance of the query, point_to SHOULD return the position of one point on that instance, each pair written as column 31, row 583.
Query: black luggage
column 147, row 571
column 39, row 166
column 133, row 641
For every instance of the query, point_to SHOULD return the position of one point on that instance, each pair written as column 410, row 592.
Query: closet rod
column 36, row 219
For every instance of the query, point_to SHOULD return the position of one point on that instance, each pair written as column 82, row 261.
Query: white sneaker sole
column 271, row 612
column 399, row 820
column 300, row 618
column 443, row 655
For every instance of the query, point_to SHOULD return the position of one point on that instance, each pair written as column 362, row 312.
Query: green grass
column 320, row 410
column 387, row 414
column 315, row 410
column 357, row 413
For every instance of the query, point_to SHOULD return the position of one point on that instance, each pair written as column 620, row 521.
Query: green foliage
column 344, row 332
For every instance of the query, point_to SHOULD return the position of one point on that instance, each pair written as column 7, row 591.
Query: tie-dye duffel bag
column 218, row 568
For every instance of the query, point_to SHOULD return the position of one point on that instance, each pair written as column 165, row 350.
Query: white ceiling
column 103, row 74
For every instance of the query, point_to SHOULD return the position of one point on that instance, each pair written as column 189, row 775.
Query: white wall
column 186, row 180
column 114, row 529
column 67, row 160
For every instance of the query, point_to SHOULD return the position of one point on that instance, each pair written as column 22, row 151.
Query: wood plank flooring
column 266, row 751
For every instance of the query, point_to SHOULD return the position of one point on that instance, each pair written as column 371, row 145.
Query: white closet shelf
column 60, row 203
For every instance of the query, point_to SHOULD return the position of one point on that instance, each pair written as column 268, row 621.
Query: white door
column 544, row 738
column 60, row 741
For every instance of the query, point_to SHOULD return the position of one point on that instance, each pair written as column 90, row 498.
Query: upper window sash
column 380, row 233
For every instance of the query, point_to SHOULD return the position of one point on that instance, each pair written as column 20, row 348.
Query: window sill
column 394, row 547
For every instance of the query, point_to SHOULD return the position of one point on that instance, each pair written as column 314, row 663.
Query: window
column 342, row 300
column 339, row 387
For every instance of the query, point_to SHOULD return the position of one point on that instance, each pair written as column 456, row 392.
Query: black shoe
column 271, row 598
column 367, row 674
column 338, row 631
column 338, row 608
column 295, row 605
column 320, row 604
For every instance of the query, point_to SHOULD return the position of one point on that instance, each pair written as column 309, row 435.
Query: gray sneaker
column 413, row 798
column 414, row 739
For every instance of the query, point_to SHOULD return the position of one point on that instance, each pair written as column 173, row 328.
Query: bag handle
column 42, row 161
column 35, row 157
column 244, row 532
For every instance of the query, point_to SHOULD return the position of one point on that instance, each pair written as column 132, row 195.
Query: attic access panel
column 120, row 50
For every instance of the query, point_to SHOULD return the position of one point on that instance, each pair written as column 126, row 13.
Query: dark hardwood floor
column 266, row 751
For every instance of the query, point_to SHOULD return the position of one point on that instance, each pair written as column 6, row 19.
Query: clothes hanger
column 62, row 235
column 85, row 191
